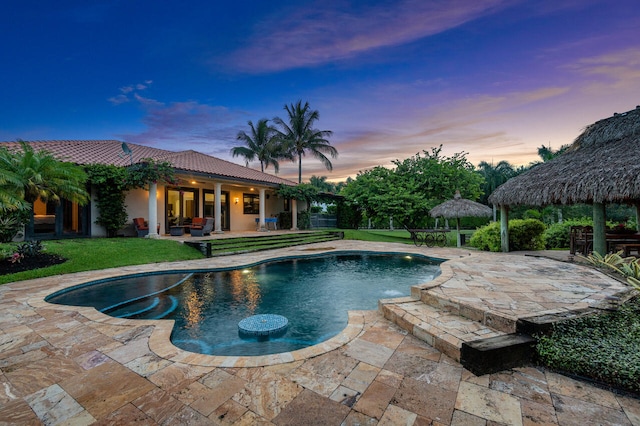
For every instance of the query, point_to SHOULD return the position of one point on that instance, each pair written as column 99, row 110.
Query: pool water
column 314, row 293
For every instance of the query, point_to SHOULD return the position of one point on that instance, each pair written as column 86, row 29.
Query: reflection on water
column 314, row 294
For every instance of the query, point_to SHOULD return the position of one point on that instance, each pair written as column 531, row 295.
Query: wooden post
column 599, row 229
column 504, row 228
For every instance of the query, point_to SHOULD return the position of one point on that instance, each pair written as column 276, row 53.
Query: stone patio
column 69, row 365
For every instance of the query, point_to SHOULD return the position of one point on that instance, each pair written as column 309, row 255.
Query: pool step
column 480, row 348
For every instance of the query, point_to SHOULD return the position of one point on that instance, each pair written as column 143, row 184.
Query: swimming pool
column 314, row 293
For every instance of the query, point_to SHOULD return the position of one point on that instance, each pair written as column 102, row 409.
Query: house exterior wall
column 137, row 202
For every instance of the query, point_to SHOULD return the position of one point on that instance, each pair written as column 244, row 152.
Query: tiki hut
column 601, row 166
column 459, row 208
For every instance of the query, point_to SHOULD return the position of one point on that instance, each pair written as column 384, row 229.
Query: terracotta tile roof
column 110, row 152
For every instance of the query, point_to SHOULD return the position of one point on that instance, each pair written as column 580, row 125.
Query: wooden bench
column 628, row 248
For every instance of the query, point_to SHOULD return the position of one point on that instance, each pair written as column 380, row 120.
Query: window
column 251, row 203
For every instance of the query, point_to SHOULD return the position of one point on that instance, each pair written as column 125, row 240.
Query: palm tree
column 494, row 176
column 262, row 144
column 321, row 183
column 11, row 186
column 300, row 137
column 546, row 153
column 31, row 175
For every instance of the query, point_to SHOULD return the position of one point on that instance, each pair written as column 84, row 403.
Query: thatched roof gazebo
column 458, row 208
column 601, row 166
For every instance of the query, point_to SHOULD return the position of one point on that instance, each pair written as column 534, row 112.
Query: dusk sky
column 493, row 78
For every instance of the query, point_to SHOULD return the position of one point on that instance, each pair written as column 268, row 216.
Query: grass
column 89, row 254
column 100, row 253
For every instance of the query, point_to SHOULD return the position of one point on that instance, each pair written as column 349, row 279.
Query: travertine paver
column 66, row 365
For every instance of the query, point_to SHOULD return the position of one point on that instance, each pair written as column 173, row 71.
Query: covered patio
column 602, row 166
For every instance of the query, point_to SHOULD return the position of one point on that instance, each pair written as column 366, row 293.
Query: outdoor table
column 268, row 220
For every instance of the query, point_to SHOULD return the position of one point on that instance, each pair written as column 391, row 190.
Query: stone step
column 478, row 347
column 495, row 320
column 437, row 326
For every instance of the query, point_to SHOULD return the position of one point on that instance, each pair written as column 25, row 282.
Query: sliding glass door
column 209, row 207
column 181, row 206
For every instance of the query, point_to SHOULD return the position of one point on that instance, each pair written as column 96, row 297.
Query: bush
column 30, row 248
column 11, row 222
column 557, row 234
column 284, row 220
column 487, row 238
column 524, row 234
column 605, row 347
column 348, row 216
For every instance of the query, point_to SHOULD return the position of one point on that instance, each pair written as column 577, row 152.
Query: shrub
column 557, row 234
column 284, row 220
column 9, row 226
column 524, row 234
column 348, row 216
column 487, row 238
column 605, row 347
column 30, row 248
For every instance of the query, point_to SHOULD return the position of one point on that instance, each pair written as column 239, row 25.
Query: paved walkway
column 63, row 365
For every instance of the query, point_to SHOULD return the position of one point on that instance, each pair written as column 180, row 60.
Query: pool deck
column 69, row 365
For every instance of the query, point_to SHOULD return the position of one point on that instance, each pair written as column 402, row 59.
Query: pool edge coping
column 160, row 338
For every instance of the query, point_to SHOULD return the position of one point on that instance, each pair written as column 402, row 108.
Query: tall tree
column 494, row 176
column 413, row 187
column 300, row 137
column 261, row 144
column 546, row 153
column 321, row 183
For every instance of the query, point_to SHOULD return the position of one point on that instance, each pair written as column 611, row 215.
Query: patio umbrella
column 460, row 207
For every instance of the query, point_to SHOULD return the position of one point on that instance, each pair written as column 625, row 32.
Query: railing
column 319, row 220
column 429, row 237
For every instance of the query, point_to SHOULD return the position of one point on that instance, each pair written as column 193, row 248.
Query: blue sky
column 493, row 78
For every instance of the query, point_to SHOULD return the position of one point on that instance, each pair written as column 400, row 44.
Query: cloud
column 614, row 70
column 119, row 99
column 179, row 125
column 130, row 92
column 318, row 34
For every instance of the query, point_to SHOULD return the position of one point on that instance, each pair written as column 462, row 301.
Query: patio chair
column 581, row 240
column 142, row 227
column 202, row 230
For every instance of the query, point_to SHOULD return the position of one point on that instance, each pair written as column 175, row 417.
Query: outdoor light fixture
column 236, row 200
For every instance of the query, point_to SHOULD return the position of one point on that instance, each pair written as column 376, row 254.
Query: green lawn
column 89, row 254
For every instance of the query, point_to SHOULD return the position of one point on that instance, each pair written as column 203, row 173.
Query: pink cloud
column 320, row 34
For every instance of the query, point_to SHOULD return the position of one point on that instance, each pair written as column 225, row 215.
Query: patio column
column 294, row 214
column 153, row 210
column 504, row 228
column 217, row 208
column 599, row 229
column 261, row 226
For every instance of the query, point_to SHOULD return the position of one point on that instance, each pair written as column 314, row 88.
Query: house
column 237, row 197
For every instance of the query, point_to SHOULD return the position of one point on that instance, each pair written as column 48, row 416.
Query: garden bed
column 41, row 260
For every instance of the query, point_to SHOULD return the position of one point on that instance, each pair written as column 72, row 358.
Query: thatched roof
column 460, row 207
column 602, row 165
